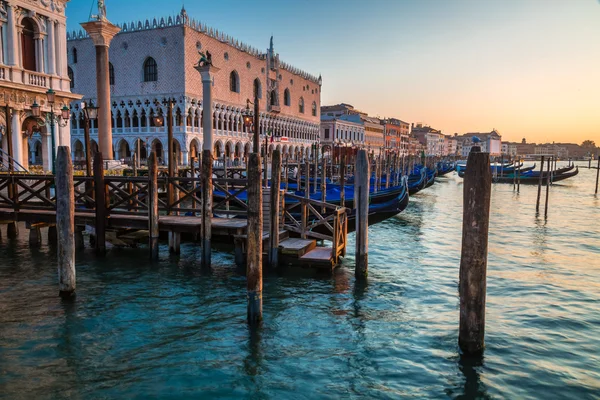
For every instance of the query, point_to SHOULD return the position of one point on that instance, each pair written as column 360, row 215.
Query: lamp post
column 51, row 118
column 250, row 119
column 90, row 112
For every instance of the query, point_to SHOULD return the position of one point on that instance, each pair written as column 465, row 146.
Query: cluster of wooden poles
column 473, row 266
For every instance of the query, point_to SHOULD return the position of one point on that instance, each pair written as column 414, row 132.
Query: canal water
column 165, row 330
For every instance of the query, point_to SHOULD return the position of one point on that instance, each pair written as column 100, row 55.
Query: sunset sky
column 528, row 68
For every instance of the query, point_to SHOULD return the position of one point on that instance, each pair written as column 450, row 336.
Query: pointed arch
column 150, row 70
column 234, row 81
column 314, row 108
column 71, row 77
column 286, row 97
column 301, row 105
column 111, row 74
column 257, row 88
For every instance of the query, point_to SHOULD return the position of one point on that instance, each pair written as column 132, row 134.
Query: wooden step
column 297, row 247
column 319, row 257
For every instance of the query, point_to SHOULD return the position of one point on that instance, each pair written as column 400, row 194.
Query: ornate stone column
column 17, row 138
column 11, row 37
column 102, row 33
column 206, row 72
column 51, row 60
column 39, row 51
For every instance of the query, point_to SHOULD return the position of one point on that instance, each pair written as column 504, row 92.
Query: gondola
column 377, row 212
column 533, row 180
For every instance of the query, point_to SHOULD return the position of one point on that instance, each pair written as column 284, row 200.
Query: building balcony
column 35, row 79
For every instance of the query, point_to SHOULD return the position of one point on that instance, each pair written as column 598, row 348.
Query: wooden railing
column 306, row 217
column 124, row 195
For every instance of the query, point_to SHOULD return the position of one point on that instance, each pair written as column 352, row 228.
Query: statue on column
column 205, row 59
column 101, row 11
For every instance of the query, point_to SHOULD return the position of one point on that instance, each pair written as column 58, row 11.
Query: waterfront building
column 415, row 147
column 431, row 139
column 374, row 138
column 342, row 130
column 340, row 109
column 509, row 148
column 450, row 145
column 490, row 142
column 374, row 135
column 153, row 61
column 396, row 135
column 552, row 149
column 33, row 59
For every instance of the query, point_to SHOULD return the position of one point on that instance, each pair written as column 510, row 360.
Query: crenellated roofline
column 182, row 19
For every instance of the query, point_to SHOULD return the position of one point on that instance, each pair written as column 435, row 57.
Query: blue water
column 166, row 330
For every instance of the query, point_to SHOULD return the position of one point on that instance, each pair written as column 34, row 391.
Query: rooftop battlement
column 182, row 19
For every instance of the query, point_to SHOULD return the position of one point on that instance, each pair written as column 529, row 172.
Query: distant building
column 340, row 109
column 450, row 146
column 509, row 149
column 396, row 135
column 490, row 142
column 431, row 139
column 343, row 129
column 374, row 137
column 553, row 150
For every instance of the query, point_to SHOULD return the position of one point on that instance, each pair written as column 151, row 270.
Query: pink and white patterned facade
column 154, row 60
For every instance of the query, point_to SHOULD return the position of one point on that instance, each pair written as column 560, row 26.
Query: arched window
column 286, row 98
column 111, row 73
column 257, row 89
column 28, row 45
column 74, row 55
column 234, row 82
column 301, row 105
column 150, row 70
column 273, row 98
column 314, row 109
column 71, row 77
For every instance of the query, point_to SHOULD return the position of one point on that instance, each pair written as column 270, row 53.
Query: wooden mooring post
column 65, row 222
column 362, row 177
column 597, row 174
column 342, row 180
column 548, row 174
column 206, row 216
column 153, row 231
column 473, row 263
column 539, row 193
column 274, row 209
column 254, row 241
column 100, row 193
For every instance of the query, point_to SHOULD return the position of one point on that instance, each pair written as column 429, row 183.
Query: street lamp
column 90, row 112
column 51, row 119
column 250, row 119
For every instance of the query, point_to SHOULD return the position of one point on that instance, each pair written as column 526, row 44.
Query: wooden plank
column 318, row 254
column 296, row 247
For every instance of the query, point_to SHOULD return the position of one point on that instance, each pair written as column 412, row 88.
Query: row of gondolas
column 385, row 202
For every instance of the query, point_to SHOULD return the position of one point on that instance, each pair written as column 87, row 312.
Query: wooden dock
column 125, row 215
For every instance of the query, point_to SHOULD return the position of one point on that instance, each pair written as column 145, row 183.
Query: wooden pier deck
column 126, row 214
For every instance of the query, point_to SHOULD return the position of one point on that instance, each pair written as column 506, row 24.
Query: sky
column 527, row 68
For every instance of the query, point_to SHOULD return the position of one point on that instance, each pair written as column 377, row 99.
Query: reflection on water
column 168, row 329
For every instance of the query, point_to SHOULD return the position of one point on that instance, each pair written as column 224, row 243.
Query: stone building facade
column 33, row 59
column 152, row 61
column 396, row 135
column 341, row 130
column 431, row 139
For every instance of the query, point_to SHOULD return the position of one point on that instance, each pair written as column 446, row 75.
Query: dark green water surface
column 166, row 330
